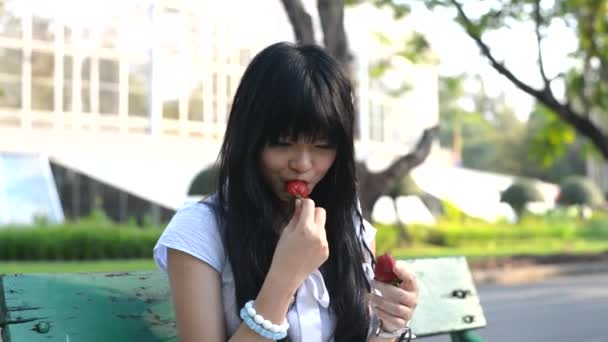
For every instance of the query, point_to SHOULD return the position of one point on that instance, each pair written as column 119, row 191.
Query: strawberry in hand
column 384, row 270
column 297, row 188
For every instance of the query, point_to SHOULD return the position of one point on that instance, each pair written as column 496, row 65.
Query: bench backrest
column 136, row 306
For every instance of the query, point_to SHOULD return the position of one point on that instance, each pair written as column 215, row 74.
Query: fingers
column 320, row 217
column 307, row 214
column 391, row 293
column 390, row 322
column 392, row 308
column 407, row 277
column 394, row 305
column 308, row 211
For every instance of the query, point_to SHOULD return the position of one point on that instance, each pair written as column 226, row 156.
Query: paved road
column 569, row 309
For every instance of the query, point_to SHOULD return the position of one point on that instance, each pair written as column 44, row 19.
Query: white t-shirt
column 194, row 230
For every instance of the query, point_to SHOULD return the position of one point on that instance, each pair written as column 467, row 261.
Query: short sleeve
column 193, row 230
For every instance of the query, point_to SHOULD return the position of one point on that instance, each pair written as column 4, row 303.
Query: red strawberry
column 384, row 269
column 297, row 188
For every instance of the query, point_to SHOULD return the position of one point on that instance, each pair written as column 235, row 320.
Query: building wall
column 124, row 79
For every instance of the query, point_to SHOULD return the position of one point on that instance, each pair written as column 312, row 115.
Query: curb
column 526, row 274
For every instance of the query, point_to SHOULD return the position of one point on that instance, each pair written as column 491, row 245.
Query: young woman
column 304, row 266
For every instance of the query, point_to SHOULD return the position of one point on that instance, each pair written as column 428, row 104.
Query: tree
column 331, row 14
column 585, row 102
column 205, row 182
column 579, row 191
column 406, row 186
column 519, row 194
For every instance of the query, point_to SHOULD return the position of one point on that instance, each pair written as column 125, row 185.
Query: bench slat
column 442, row 284
column 89, row 307
column 136, row 306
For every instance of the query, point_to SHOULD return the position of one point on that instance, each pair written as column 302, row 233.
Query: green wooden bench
column 136, row 306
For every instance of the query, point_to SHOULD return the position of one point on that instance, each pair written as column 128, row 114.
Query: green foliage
column 387, row 238
column 205, row 182
column 90, row 238
column 579, row 191
column 519, row 194
column 552, row 227
column 76, row 242
column 549, row 136
column 584, row 74
column 452, row 213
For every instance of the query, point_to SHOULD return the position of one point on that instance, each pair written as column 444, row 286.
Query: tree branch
column 485, row 50
column 331, row 14
column 416, row 157
column 372, row 185
column 538, row 21
column 564, row 111
column 300, row 20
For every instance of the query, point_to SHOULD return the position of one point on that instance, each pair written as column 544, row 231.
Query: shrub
column 387, row 238
column 579, row 191
column 205, row 182
column 73, row 242
column 519, row 194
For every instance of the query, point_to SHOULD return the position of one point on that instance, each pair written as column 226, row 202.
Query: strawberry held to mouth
column 384, row 270
column 297, row 188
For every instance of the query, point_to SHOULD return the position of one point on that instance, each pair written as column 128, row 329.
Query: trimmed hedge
column 475, row 232
column 76, row 243
column 93, row 239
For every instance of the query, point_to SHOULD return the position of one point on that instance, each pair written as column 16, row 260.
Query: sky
column 516, row 46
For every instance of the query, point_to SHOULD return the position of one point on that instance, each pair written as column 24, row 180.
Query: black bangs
column 304, row 106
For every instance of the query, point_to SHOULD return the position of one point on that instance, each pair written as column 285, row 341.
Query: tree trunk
column 331, row 14
column 300, row 20
column 403, row 233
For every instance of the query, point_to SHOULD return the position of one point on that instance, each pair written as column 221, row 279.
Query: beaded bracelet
column 262, row 326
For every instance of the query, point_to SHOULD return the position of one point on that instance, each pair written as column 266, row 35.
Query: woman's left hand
column 395, row 307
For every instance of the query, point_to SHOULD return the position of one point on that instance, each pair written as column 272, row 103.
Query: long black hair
column 295, row 91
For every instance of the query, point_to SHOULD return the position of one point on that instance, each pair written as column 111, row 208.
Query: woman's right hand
column 303, row 246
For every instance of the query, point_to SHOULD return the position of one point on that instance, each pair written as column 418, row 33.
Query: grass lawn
column 472, row 252
column 497, row 250
column 8, row 267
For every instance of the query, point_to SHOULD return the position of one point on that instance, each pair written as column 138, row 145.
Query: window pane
column 11, row 93
column 195, row 103
column 108, row 101
column 67, row 68
column 10, row 61
column 108, row 70
column 171, row 109
column 138, row 104
column 195, row 109
column 42, row 64
column 42, row 29
column 11, row 26
column 86, row 69
column 42, row 96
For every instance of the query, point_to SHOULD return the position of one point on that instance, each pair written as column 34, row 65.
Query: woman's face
column 295, row 160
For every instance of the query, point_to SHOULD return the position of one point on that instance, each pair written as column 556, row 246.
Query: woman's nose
column 301, row 160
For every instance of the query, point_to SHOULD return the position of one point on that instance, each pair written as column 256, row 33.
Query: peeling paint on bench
column 136, row 306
